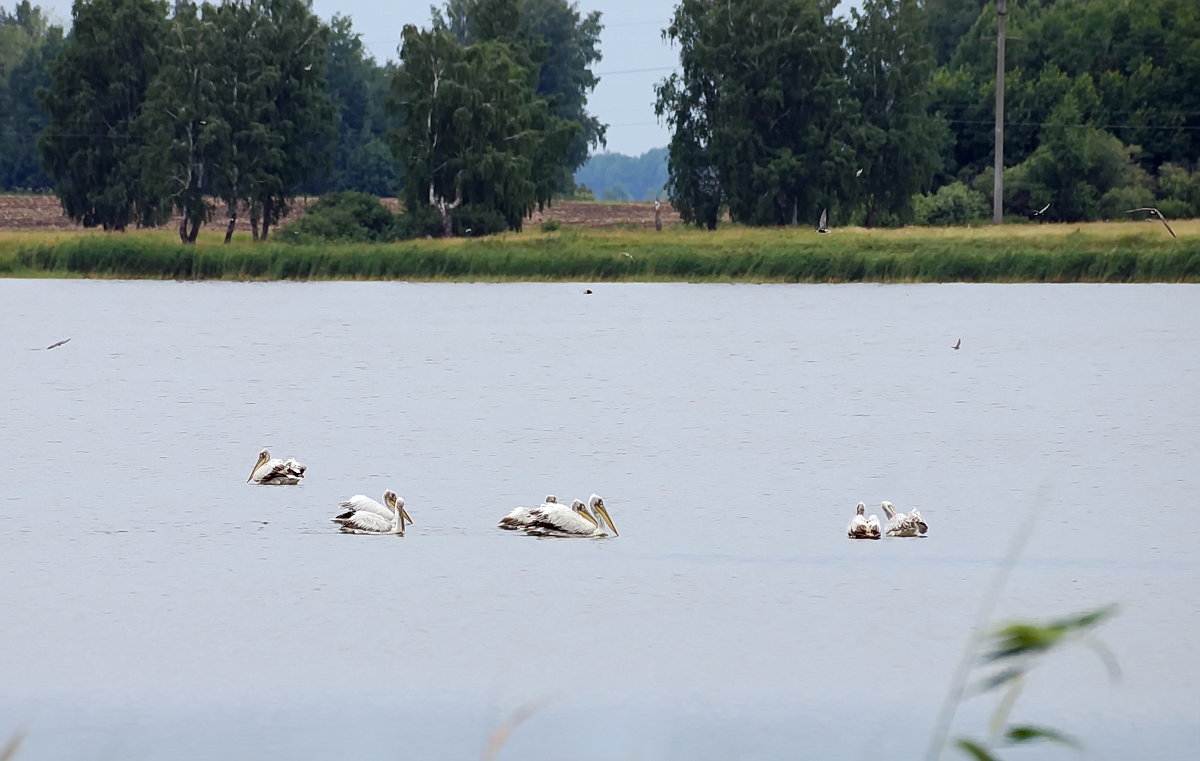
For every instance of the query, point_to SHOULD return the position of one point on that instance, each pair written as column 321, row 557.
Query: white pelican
column 363, row 515
column 276, row 472
column 821, row 228
column 900, row 524
column 1041, row 211
column 520, row 517
column 576, row 520
column 862, row 527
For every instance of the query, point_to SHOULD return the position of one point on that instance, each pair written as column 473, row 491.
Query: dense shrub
column 344, row 216
column 953, row 204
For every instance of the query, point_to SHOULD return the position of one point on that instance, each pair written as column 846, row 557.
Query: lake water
column 155, row 606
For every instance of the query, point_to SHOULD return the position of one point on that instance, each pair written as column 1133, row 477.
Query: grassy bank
column 1099, row 252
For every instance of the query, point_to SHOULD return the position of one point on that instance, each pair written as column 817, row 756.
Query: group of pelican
column 362, row 515
column 552, row 518
column 898, row 524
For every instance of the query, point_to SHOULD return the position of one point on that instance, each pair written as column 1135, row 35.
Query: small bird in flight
column 821, row 228
column 957, row 344
column 627, row 255
column 1041, row 211
column 858, row 173
column 56, row 344
column 1155, row 213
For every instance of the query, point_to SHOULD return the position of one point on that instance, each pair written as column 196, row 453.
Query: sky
column 635, row 57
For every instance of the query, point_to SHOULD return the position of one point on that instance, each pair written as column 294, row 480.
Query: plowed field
column 42, row 212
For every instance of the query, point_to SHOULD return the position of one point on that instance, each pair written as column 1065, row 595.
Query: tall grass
column 1109, row 253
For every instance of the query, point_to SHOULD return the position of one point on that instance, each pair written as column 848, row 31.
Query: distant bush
column 347, row 216
column 419, row 222
column 953, row 204
column 475, row 221
column 551, row 225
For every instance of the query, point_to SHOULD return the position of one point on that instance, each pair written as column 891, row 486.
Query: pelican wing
column 362, row 522
column 558, row 520
column 361, row 503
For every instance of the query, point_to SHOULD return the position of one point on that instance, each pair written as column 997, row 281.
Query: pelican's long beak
column 607, row 519
column 589, row 518
column 405, row 515
column 257, row 465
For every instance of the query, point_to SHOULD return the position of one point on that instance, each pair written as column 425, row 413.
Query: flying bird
column 900, row 524
column 858, row 173
column 627, row 255
column 56, row 344
column 957, row 344
column 276, row 472
column 363, row 515
column 862, row 527
column 1155, row 213
column 821, row 228
column 1041, row 211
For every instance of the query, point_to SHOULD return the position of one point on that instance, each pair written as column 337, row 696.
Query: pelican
column 520, row 517
column 363, row 515
column 861, row 527
column 900, row 524
column 821, row 228
column 276, row 472
column 576, row 520
column 1041, row 211
column 1155, row 213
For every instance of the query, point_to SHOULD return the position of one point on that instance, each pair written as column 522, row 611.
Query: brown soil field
column 42, row 212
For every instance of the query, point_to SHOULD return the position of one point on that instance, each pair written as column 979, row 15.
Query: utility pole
column 998, row 182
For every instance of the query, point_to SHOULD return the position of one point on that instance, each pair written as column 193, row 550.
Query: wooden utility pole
column 998, row 182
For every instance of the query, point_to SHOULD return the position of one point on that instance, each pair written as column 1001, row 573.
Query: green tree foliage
column 900, row 143
column 1140, row 60
column 268, row 66
column 98, row 87
column 357, row 88
column 549, row 38
column 760, row 113
column 474, row 132
column 949, row 20
column 28, row 44
column 642, row 178
column 179, row 122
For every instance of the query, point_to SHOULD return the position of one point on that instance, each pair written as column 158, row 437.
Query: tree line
column 780, row 109
column 145, row 110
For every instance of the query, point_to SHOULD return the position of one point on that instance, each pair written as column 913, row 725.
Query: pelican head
column 888, row 509
column 861, row 509
column 596, row 505
column 580, row 509
column 263, row 456
column 551, row 499
column 395, row 502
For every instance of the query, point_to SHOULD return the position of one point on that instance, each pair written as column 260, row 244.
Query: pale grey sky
column 634, row 59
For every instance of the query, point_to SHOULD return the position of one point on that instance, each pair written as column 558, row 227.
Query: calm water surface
column 155, row 606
